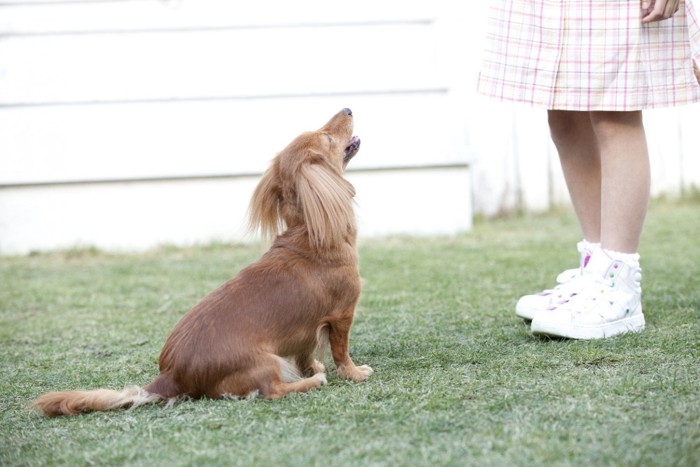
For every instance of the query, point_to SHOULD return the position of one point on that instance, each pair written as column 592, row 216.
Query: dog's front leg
column 339, row 337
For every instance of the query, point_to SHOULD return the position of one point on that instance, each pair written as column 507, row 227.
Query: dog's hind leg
column 272, row 377
column 278, row 389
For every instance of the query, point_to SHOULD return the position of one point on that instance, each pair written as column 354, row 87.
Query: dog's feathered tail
column 54, row 404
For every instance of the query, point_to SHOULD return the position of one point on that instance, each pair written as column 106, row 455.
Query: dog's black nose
column 347, row 111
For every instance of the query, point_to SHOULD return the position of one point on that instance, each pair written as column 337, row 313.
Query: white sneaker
column 529, row 305
column 606, row 304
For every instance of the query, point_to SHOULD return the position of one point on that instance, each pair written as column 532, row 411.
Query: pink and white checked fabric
column 588, row 55
column 694, row 28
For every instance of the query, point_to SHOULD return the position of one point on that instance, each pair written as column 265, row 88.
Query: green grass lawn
column 459, row 380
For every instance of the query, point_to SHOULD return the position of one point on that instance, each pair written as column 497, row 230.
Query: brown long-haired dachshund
column 257, row 333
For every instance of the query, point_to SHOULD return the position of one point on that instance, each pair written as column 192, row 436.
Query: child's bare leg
column 625, row 178
column 611, row 304
column 575, row 140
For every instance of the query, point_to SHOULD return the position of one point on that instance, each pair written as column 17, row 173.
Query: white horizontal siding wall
column 516, row 166
column 127, row 124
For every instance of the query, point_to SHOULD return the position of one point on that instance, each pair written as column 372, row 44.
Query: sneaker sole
column 634, row 323
column 528, row 314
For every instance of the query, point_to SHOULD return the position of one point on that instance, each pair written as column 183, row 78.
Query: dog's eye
column 330, row 138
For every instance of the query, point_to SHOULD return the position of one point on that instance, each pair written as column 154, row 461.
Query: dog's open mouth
column 351, row 149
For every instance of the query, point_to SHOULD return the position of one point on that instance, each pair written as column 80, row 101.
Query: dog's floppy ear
column 326, row 200
column 264, row 210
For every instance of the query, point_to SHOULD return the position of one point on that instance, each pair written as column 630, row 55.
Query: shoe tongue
column 598, row 264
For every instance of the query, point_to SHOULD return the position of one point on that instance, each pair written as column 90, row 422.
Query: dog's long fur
column 257, row 333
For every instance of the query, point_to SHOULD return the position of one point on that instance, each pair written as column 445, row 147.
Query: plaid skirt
column 589, row 55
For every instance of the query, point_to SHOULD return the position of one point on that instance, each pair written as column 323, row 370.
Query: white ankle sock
column 586, row 249
column 630, row 259
column 601, row 259
column 588, row 246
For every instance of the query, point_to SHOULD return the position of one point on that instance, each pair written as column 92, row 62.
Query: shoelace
column 585, row 286
column 595, row 293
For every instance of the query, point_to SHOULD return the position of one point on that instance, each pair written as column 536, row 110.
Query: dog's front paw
column 355, row 373
column 366, row 371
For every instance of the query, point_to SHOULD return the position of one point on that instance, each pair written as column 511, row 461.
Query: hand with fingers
column 658, row 10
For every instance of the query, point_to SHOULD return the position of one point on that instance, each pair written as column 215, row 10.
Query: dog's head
column 304, row 187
